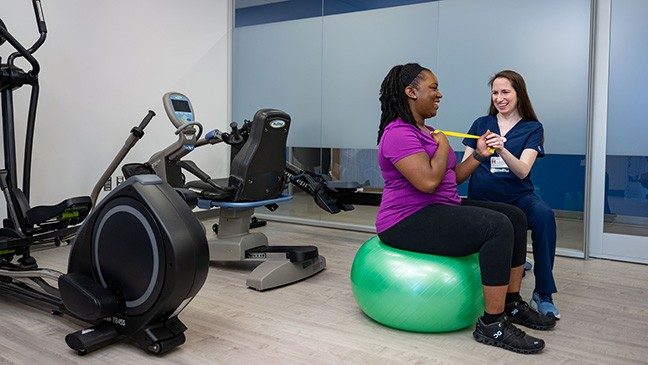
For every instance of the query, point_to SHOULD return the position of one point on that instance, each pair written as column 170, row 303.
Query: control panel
column 178, row 109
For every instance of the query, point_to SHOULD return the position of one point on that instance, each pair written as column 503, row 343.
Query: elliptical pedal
column 165, row 346
column 160, row 338
column 92, row 338
column 27, row 263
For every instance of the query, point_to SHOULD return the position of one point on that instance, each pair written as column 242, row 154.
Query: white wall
column 104, row 65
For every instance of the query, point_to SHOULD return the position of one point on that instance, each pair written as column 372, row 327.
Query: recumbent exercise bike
column 257, row 178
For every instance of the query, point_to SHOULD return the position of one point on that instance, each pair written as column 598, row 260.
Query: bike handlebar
column 146, row 120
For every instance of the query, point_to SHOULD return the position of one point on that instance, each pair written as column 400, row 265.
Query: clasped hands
column 489, row 143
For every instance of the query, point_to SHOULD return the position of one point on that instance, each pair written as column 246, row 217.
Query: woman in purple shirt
column 421, row 210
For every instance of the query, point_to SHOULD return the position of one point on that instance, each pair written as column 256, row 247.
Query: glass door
column 625, row 208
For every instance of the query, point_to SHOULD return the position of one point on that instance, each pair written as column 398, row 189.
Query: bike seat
column 209, row 190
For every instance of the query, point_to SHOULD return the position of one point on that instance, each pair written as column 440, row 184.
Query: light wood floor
column 604, row 306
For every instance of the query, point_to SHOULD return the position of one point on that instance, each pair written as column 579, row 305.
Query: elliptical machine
column 137, row 260
column 256, row 179
column 41, row 224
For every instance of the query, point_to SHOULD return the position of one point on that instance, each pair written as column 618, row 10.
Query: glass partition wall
column 625, row 224
column 479, row 38
column 323, row 61
column 627, row 146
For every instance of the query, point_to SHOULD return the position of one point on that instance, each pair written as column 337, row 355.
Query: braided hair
column 393, row 103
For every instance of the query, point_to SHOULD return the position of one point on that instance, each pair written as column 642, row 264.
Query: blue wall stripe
column 348, row 6
column 301, row 9
column 278, row 12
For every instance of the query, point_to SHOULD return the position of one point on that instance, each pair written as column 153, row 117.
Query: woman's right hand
column 440, row 138
column 483, row 144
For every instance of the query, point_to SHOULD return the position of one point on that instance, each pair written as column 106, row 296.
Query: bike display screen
column 181, row 106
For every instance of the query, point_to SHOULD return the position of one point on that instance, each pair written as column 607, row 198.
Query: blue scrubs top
column 500, row 184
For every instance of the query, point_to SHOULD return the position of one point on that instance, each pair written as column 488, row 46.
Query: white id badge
column 498, row 165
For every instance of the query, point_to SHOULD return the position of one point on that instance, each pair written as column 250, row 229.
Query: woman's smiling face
column 428, row 95
column 504, row 96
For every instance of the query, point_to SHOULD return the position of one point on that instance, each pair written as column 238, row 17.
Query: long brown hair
column 524, row 106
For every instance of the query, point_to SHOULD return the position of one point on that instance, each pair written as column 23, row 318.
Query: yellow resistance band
column 462, row 135
column 456, row 134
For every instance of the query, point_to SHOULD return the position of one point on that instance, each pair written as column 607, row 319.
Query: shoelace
column 529, row 309
column 516, row 331
column 545, row 298
column 526, row 306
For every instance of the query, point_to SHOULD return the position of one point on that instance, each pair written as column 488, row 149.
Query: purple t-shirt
column 400, row 198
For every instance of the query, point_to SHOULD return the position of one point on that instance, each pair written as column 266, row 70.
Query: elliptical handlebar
column 133, row 138
column 42, row 27
column 40, row 18
column 20, row 49
column 2, row 39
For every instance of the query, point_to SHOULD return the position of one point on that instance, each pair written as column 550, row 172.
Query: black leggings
column 497, row 231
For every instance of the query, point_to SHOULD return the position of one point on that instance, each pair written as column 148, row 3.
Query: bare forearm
column 439, row 162
column 465, row 168
column 520, row 168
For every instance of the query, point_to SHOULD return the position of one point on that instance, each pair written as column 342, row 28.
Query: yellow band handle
column 462, row 135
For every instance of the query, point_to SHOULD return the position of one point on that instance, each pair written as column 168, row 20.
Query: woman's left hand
column 495, row 141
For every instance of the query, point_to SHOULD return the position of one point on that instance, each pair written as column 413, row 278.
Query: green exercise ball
column 416, row 292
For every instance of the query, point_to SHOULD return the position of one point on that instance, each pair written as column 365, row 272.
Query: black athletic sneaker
column 521, row 313
column 504, row 334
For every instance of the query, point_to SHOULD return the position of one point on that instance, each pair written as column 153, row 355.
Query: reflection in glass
column 626, row 195
column 626, row 170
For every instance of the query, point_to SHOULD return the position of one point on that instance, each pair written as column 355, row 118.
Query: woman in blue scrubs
column 517, row 137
